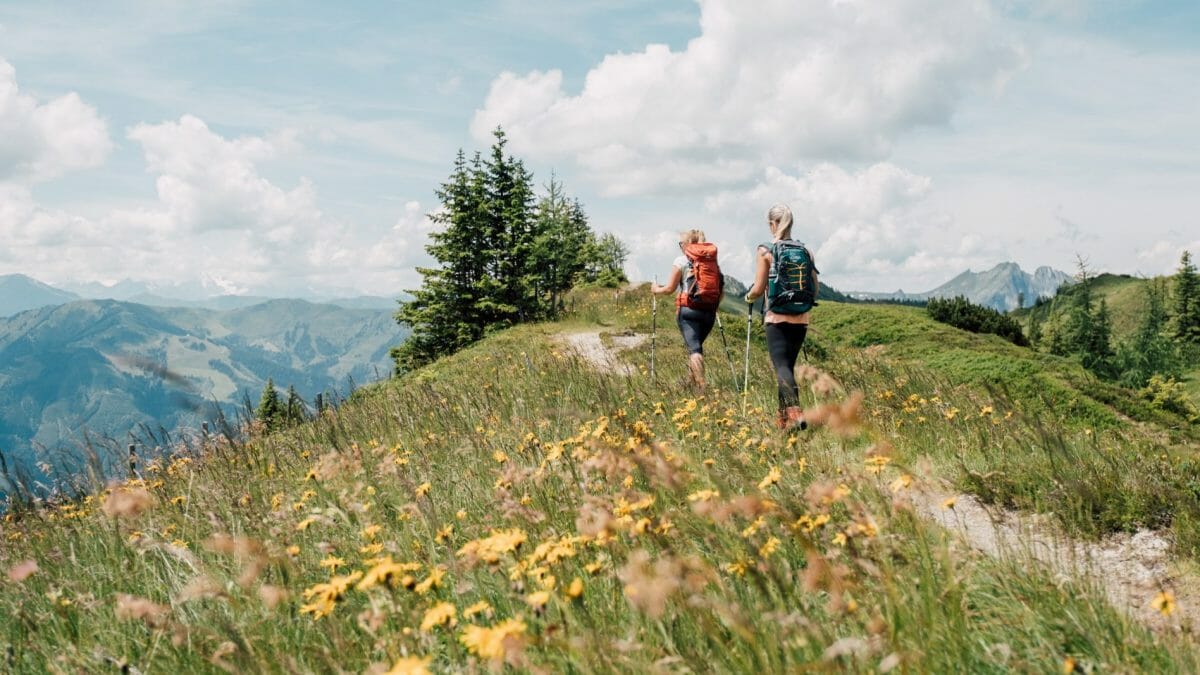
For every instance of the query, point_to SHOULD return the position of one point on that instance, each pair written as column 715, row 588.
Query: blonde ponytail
column 782, row 216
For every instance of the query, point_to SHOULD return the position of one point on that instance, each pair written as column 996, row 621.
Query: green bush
column 1170, row 396
column 962, row 313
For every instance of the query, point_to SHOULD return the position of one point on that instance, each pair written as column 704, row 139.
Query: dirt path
column 591, row 348
column 1130, row 569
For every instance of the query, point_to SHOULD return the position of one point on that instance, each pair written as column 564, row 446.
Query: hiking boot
column 794, row 419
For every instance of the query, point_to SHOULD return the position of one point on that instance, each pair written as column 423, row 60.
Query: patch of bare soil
column 1130, row 569
column 591, row 348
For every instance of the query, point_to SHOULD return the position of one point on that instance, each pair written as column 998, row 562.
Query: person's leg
column 784, row 363
column 784, row 341
column 794, row 334
column 691, row 329
column 704, row 324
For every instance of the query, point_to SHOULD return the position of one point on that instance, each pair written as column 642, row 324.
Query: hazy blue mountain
column 1000, row 287
column 19, row 293
column 107, row 367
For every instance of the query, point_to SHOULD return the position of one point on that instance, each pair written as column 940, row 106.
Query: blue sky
column 287, row 148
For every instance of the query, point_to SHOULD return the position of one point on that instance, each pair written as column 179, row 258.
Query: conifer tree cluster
column 503, row 257
column 276, row 413
column 1168, row 332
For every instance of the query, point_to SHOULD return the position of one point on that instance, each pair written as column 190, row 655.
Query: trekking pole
column 728, row 355
column 746, row 378
column 653, row 326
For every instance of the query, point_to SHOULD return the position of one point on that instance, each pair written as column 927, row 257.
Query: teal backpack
column 792, row 285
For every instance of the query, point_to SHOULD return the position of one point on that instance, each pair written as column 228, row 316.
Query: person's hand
column 749, row 300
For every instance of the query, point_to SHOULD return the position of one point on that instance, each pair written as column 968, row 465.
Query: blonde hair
column 782, row 216
column 691, row 237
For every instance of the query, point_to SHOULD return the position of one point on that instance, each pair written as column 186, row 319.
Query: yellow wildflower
column 491, row 548
column 1164, row 603
column 771, row 478
column 423, row 489
column 441, row 614
column 537, row 600
column 478, row 608
column 901, row 483
column 494, row 643
column 575, row 589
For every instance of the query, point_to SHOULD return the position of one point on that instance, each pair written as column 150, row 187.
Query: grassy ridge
column 511, row 505
column 1126, row 298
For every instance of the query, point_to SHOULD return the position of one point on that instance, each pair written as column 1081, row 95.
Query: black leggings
column 784, row 341
column 695, row 325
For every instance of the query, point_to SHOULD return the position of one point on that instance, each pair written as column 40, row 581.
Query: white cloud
column 41, row 140
column 867, row 228
column 207, row 182
column 217, row 223
column 765, row 83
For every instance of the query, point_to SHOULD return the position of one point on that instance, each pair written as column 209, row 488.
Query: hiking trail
column 591, row 348
column 1129, row 569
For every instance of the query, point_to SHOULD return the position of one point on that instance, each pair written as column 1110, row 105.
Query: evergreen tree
column 563, row 242
column 294, row 409
column 1088, row 327
column 499, row 261
column 609, row 257
column 1186, row 299
column 1150, row 352
column 446, row 313
column 270, row 412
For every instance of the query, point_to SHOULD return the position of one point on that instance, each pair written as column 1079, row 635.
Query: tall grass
column 639, row 529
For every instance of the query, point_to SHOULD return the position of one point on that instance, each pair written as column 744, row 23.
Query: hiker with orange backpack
column 698, row 283
column 786, row 273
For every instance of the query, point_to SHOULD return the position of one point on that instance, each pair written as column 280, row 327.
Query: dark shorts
column 695, row 325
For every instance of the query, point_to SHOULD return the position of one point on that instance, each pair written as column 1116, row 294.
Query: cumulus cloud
column 218, row 222
column 867, row 227
column 41, row 140
column 765, row 83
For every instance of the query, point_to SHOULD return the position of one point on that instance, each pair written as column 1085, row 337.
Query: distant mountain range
column 1004, row 287
column 106, row 367
column 19, row 293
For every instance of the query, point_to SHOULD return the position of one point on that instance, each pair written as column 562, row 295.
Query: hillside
column 1126, row 298
column 554, row 517
column 105, row 368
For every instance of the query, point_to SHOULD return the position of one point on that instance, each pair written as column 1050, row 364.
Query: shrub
column 962, row 313
column 1169, row 395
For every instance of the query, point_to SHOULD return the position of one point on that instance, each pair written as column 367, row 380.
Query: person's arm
column 670, row 286
column 761, row 272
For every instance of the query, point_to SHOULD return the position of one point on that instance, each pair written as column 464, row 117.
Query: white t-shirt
column 685, row 268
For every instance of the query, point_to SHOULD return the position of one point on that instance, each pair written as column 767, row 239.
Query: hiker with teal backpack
column 786, row 273
column 697, row 281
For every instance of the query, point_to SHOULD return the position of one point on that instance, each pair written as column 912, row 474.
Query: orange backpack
column 704, row 290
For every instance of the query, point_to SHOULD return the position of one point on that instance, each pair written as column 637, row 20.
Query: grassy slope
column 1125, row 296
column 513, row 434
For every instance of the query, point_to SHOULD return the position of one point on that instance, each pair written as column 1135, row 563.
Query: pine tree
column 446, row 314
column 562, row 244
column 610, row 256
column 294, row 409
column 270, row 412
column 1088, row 328
column 1150, row 352
column 499, row 261
column 1186, row 301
